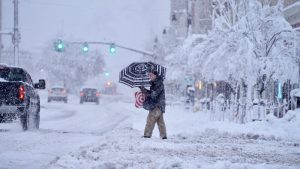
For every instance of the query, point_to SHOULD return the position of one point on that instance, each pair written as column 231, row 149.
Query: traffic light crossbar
column 112, row 46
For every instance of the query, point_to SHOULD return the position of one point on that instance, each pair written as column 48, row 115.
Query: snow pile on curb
column 193, row 141
column 124, row 148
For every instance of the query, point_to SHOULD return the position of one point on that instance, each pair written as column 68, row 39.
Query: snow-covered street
column 64, row 127
column 84, row 83
column 109, row 136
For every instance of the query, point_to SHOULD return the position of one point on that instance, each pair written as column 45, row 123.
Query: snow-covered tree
column 249, row 40
column 246, row 42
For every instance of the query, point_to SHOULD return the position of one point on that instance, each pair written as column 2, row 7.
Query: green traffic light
column 59, row 46
column 112, row 49
column 85, row 47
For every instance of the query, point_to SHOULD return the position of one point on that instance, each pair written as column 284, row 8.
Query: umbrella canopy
column 136, row 74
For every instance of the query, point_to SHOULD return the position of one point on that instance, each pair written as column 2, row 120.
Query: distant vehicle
column 18, row 97
column 58, row 93
column 110, row 88
column 89, row 95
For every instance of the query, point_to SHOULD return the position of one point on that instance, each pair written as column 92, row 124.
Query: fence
column 242, row 113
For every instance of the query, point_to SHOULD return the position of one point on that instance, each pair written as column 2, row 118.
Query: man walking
column 156, row 103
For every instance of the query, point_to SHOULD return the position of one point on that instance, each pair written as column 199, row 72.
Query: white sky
column 131, row 23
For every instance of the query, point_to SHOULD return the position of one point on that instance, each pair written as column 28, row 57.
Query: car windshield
column 57, row 89
column 12, row 74
column 89, row 90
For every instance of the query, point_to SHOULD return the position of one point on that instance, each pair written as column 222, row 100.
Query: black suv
column 18, row 97
column 89, row 95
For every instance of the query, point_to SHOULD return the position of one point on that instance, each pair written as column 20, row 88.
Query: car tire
column 36, row 119
column 2, row 118
column 30, row 120
column 24, row 119
column 49, row 100
column 6, row 118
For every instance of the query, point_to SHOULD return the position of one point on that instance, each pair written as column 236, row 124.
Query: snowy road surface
column 109, row 136
column 64, row 127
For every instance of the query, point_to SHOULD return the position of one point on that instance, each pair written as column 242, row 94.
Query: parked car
column 89, row 95
column 19, row 98
column 58, row 93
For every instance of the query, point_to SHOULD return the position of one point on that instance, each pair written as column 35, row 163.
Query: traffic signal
column 106, row 73
column 112, row 48
column 85, row 47
column 59, row 46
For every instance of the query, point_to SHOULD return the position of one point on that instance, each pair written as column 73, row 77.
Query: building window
column 174, row 17
column 189, row 20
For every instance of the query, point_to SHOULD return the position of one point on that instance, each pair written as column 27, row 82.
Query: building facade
column 201, row 16
column 292, row 12
column 190, row 17
column 179, row 18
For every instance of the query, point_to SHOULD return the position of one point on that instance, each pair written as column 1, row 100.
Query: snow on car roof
column 2, row 80
column 10, row 66
column 88, row 87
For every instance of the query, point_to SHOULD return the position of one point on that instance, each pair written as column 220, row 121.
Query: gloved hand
column 142, row 88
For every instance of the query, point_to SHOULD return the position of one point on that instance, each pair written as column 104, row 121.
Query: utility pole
column 16, row 34
column 0, row 29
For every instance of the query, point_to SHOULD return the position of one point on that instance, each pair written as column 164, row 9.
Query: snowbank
column 193, row 142
column 123, row 148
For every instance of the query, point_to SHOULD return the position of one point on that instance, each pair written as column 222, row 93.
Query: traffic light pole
column 0, row 28
column 16, row 35
column 116, row 45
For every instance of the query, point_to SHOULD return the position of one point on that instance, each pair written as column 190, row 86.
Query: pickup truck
column 19, row 98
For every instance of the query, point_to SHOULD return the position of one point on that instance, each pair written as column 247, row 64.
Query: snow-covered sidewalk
column 123, row 148
column 193, row 142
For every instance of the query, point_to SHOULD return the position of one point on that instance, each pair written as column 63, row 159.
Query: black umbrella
column 136, row 74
